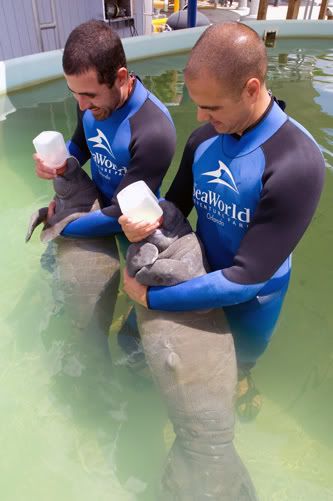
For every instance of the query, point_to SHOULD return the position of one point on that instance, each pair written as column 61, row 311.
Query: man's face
column 94, row 96
column 228, row 112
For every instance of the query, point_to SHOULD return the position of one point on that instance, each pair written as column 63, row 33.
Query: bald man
column 254, row 176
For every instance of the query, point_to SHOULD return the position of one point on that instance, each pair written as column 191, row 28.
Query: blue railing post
column 191, row 13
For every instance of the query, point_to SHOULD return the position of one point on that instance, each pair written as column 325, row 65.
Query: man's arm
column 152, row 147
column 181, row 190
column 77, row 145
column 292, row 184
column 95, row 223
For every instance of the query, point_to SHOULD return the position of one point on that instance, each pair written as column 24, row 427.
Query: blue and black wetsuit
column 255, row 195
column 136, row 142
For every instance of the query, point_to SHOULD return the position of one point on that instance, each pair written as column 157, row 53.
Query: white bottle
column 138, row 202
column 50, row 145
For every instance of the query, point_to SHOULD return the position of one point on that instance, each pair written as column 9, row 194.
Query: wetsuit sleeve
column 181, row 189
column 94, row 224
column 292, row 184
column 208, row 291
column 152, row 146
column 77, row 145
column 153, row 142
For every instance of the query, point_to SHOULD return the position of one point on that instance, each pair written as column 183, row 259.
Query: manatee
column 172, row 254
column 85, row 271
column 192, row 359
column 75, row 195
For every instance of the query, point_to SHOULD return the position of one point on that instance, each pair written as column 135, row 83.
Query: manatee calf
column 192, row 359
column 75, row 195
column 85, row 271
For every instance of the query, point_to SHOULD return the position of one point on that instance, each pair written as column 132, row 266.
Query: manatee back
column 172, row 254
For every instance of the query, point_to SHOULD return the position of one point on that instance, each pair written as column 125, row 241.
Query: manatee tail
column 191, row 475
column 36, row 219
column 192, row 359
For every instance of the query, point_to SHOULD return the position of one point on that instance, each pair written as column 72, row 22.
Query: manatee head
column 174, row 226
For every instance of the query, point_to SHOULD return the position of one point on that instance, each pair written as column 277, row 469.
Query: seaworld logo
column 217, row 174
column 104, row 165
column 211, row 200
column 218, row 211
column 101, row 142
column 103, row 162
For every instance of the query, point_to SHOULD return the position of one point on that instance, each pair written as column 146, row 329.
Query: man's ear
column 122, row 76
column 252, row 88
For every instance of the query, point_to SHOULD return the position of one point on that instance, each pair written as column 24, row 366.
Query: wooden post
column 293, row 8
column 323, row 7
column 262, row 11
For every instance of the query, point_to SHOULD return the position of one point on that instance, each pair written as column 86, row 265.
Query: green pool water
column 76, row 423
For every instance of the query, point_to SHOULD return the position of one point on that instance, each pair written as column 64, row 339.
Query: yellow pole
column 176, row 5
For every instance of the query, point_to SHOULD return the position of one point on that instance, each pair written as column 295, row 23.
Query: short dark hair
column 230, row 52
column 94, row 45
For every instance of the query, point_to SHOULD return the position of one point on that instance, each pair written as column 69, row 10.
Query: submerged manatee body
column 192, row 359
column 85, row 271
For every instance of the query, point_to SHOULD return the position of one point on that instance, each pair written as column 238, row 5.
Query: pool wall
column 37, row 68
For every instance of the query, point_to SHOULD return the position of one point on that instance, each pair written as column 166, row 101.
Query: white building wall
column 20, row 21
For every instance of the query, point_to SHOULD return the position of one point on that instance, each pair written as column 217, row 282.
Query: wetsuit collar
column 282, row 105
column 134, row 102
column 259, row 132
column 252, row 126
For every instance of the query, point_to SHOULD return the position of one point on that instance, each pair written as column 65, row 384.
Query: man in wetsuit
column 125, row 131
column 254, row 176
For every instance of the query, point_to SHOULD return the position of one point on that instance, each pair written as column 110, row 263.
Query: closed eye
column 211, row 108
column 87, row 94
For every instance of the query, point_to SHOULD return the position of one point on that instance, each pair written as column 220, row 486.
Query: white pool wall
column 30, row 70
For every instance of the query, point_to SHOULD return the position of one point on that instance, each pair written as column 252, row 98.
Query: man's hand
column 136, row 291
column 45, row 171
column 135, row 232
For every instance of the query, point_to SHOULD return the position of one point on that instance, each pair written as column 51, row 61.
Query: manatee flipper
column 139, row 256
column 36, row 219
column 163, row 272
column 50, row 232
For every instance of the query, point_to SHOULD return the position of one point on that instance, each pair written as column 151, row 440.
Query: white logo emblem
column 218, row 173
column 101, row 142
